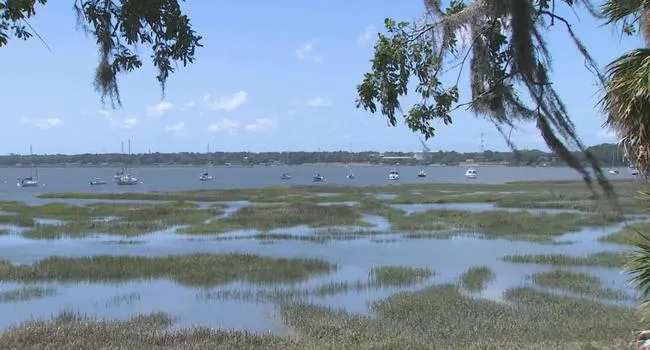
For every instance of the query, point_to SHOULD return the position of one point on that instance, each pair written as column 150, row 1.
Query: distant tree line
column 606, row 154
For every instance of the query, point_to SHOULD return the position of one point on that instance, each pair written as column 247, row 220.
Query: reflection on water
column 409, row 209
column 449, row 258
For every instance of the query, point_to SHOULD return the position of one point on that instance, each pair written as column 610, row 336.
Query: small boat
column 118, row 175
column 205, row 177
column 634, row 171
column 613, row 171
column 97, row 181
column 471, row 173
column 421, row 173
column 127, row 180
column 350, row 175
column 393, row 175
column 285, row 176
column 32, row 179
column 28, row 182
column 319, row 178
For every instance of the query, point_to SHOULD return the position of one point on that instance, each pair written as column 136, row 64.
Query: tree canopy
column 509, row 68
column 118, row 27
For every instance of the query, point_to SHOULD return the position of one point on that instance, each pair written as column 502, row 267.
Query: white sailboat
column 206, row 175
column 286, row 176
column 350, row 174
column 393, row 174
column 127, row 179
column 318, row 177
column 613, row 170
column 32, row 179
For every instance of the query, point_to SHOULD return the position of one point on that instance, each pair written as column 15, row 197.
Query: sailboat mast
column 34, row 170
column 129, row 156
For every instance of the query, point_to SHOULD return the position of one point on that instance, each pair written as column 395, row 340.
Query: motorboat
column 350, row 175
column 471, row 173
column 422, row 173
column 634, row 171
column 319, row 178
column 393, row 175
column 97, row 181
column 205, row 177
column 127, row 180
column 28, row 182
column 285, row 176
column 614, row 171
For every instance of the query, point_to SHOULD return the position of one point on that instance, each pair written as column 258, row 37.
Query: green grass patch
column 512, row 225
column 192, row 269
column 267, row 217
column 25, row 293
column 604, row 259
column 577, row 282
column 438, row 317
column 19, row 220
column 398, row 275
column 79, row 229
column 476, row 278
column 629, row 234
column 441, row 317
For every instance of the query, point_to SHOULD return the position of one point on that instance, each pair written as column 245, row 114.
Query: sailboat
column 425, row 151
column 127, row 178
column 613, row 170
column 32, row 179
column 120, row 173
column 286, row 176
column 350, row 174
column 206, row 175
column 318, row 177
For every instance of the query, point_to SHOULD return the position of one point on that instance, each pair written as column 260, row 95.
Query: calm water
column 449, row 258
column 186, row 178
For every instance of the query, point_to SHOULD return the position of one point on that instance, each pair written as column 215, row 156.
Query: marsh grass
column 79, row 229
column 398, row 275
column 512, row 225
column 629, row 234
column 123, row 299
column 476, row 278
column 19, row 220
column 577, row 282
column 604, row 259
column 441, row 317
column 126, row 242
column 438, row 317
column 267, row 217
column 191, row 270
column 275, row 295
column 25, row 293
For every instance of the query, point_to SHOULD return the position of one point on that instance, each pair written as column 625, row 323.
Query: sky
column 272, row 76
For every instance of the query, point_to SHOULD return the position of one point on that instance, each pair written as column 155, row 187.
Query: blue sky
column 272, row 76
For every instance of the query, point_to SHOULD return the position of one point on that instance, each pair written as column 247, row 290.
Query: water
column 449, row 258
column 186, row 178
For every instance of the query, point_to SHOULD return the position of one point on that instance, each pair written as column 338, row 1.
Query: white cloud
column 41, row 123
column 160, row 109
column 227, row 103
column 188, row 105
column 367, row 34
column 118, row 123
column 128, row 123
column 224, row 125
column 262, row 125
column 307, row 52
column 319, row 102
